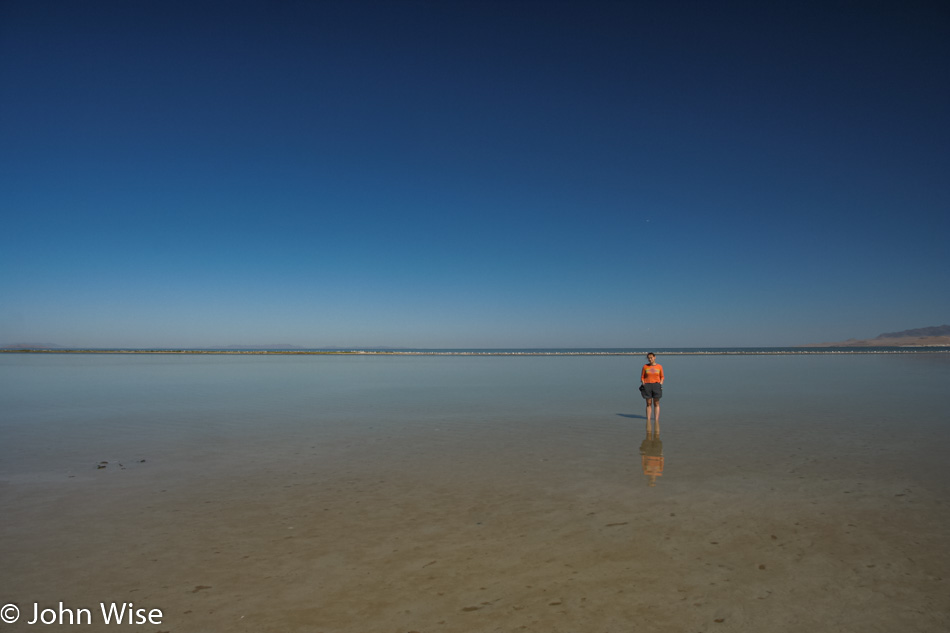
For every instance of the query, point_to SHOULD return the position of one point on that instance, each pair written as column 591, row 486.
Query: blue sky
column 472, row 174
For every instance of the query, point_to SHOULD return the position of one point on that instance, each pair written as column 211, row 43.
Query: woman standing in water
column 651, row 387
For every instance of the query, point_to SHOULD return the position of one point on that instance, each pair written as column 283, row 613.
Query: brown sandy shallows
column 402, row 536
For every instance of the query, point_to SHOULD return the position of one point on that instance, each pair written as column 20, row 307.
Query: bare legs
column 653, row 411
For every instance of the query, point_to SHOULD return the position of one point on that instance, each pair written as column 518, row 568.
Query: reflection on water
column 651, row 456
column 382, row 493
column 65, row 413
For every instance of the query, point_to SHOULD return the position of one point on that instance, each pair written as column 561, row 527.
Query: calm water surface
column 62, row 413
column 381, row 493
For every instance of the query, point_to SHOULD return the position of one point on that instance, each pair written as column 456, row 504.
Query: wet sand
column 484, row 524
column 384, row 535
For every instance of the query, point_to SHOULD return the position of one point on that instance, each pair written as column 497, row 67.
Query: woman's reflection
column 651, row 455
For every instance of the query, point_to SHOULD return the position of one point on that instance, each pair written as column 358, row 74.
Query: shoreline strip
column 749, row 352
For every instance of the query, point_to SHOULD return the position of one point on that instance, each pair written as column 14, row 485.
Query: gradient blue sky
column 472, row 174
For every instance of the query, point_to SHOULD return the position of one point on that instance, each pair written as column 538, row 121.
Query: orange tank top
column 652, row 373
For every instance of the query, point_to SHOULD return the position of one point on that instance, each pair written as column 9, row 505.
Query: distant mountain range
column 937, row 330
column 32, row 346
column 237, row 348
column 274, row 346
column 936, row 335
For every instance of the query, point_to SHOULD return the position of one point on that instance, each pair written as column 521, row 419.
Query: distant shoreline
column 891, row 341
column 906, row 349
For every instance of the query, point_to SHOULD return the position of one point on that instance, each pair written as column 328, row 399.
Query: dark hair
column 651, row 354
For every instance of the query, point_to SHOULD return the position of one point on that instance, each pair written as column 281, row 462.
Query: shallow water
column 62, row 412
column 388, row 493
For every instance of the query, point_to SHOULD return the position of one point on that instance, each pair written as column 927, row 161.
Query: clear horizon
column 286, row 347
column 471, row 174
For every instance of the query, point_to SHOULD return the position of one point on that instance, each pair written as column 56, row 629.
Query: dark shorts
column 651, row 390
